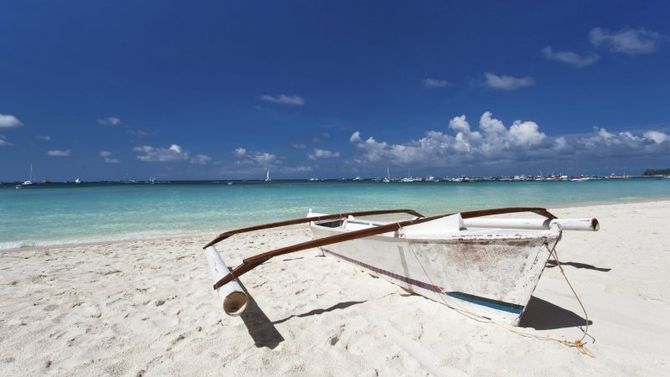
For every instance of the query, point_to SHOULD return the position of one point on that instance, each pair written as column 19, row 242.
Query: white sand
column 147, row 308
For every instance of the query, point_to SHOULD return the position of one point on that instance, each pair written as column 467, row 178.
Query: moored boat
column 468, row 261
column 29, row 182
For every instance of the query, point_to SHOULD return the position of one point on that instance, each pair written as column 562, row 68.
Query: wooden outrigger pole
column 250, row 263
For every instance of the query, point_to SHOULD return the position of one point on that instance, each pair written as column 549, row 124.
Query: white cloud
column 298, row 145
column 322, row 153
column 656, row 136
column 59, row 153
column 107, row 157
column 263, row 158
column 626, row 41
column 43, row 137
column 494, row 143
column 240, row 152
column 252, row 159
column 602, row 143
column 4, row 142
column 355, row 137
column 174, row 153
column 9, row 121
column 569, row 57
column 505, row 82
column 110, row 121
column 560, row 143
column 526, row 133
column 284, row 99
column 434, row 83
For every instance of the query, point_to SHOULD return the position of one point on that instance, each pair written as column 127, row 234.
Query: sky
column 229, row 89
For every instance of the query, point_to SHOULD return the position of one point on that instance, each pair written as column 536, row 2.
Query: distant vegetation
column 657, row 172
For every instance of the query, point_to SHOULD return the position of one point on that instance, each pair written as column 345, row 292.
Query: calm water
column 55, row 214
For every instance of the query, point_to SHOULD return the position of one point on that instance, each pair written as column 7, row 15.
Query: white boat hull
column 491, row 273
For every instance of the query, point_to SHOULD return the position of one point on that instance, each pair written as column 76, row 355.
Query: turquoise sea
column 49, row 214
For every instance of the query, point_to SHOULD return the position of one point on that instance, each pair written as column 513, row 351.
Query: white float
column 233, row 298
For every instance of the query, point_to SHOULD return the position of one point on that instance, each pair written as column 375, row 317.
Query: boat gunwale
column 454, row 238
column 250, row 263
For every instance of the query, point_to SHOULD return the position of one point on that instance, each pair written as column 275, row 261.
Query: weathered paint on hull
column 494, row 278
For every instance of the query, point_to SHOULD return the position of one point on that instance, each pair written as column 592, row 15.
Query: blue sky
column 218, row 90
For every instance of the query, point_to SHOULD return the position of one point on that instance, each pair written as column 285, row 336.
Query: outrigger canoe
column 469, row 261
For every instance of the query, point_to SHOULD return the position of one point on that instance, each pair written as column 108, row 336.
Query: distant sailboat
column 388, row 176
column 267, row 176
column 409, row 178
column 77, row 181
column 29, row 181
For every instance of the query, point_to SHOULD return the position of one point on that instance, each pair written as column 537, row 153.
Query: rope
column 578, row 344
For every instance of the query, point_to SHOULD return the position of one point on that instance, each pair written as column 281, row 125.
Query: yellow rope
column 578, row 344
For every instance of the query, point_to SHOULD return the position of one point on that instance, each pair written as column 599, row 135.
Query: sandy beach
column 146, row 308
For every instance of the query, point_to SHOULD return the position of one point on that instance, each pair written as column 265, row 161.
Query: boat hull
column 492, row 276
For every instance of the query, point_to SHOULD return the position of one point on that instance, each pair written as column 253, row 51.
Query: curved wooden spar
column 252, row 262
column 301, row 220
column 502, row 211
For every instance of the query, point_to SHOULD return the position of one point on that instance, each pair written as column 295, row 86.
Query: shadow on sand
column 341, row 305
column 261, row 329
column 552, row 264
column 543, row 315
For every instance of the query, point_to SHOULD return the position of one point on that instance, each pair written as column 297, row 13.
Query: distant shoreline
column 394, row 180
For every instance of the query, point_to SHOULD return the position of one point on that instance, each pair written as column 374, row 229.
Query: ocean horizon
column 91, row 212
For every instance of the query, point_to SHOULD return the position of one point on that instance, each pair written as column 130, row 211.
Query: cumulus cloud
column 626, row 41
column 284, row 99
column 322, row 153
column 434, row 83
column 355, row 137
column 9, row 121
column 59, row 153
column 505, row 82
column 107, row 157
column 174, row 153
column 569, row 57
column 298, row 145
column 657, row 136
column 110, row 121
column 492, row 143
column 43, row 137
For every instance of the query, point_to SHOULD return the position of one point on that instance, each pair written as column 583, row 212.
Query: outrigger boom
column 234, row 297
